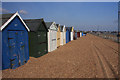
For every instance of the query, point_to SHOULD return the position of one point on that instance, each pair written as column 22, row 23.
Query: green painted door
column 42, row 43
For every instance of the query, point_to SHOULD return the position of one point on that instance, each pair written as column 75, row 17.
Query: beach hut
column 75, row 35
column 72, row 33
column 38, row 42
column 58, row 35
column 62, row 35
column 52, row 36
column 68, row 36
column 64, row 32
column 78, row 34
column 14, row 39
column 81, row 34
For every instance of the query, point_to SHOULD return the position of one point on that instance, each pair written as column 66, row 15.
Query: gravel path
column 88, row 57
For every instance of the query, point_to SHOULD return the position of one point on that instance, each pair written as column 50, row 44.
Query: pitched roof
column 5, row 19
column 34, row 24
column 61, row 28
column 57, row 25
column 48, row 24
column 68, row 28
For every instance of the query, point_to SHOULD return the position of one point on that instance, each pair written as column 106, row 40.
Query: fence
column 110, row 36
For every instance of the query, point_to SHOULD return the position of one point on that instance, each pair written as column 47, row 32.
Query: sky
column 81, row 15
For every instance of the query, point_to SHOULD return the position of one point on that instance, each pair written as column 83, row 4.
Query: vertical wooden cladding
column 52, row 36
column 38, row 42
column 62, row 35
column 58, row 35
column 52, row 42
column 15, row 49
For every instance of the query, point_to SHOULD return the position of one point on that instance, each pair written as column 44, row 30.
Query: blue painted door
column 12, row 44
column 67, row 36
column 16, row 48
column 21, row 47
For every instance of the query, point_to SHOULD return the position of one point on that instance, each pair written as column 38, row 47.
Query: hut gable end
column 8, row 19
column 53, row 26
column 15, row 24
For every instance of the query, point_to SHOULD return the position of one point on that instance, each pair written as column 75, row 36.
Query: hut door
column 67, row 37
column 21, row 47
column 17, row 48
column 42, row 43
column 12, row 44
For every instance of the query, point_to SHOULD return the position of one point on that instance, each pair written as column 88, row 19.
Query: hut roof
column 34, row 24
column 48, row 24
column 5, row 19
column 68, row 28
column 61, row 28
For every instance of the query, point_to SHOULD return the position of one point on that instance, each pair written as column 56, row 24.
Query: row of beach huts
column 20, row 38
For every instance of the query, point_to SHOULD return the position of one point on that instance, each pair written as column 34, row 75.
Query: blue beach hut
column 14, row 41
column 68, row 36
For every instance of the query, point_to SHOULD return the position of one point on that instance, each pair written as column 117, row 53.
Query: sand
column 87, row 57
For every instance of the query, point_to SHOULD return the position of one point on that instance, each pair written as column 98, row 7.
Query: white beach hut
column 52, row 36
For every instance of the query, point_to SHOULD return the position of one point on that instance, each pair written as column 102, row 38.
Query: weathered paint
column 15, row 50
column 38, row 43
column 9, row 20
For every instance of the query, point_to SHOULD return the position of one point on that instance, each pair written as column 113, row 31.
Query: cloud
column 2, row 10
column 23, row 12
